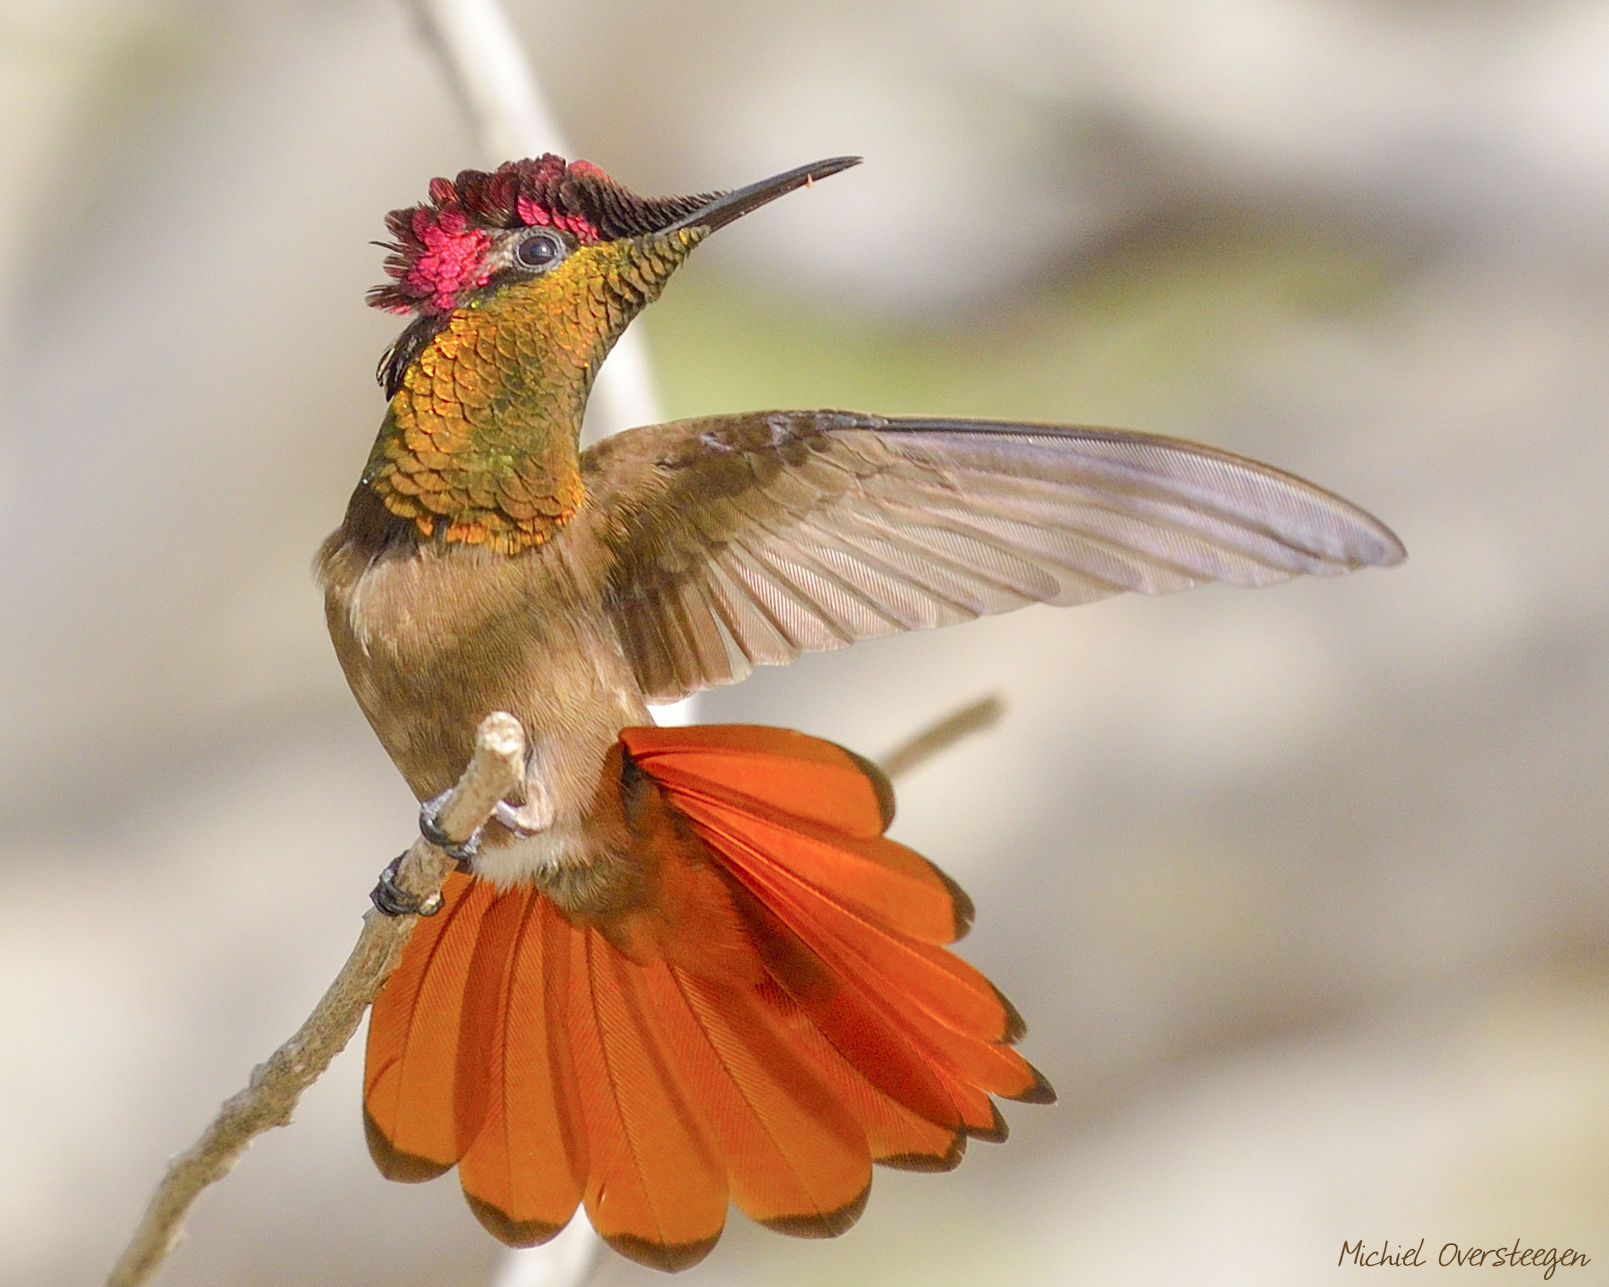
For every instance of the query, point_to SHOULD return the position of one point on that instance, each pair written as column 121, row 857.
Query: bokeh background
column 1303, row 892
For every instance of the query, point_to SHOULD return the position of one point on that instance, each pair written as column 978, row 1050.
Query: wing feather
column 748, row 540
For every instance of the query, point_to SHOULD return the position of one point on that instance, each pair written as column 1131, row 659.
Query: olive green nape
column 479, row 444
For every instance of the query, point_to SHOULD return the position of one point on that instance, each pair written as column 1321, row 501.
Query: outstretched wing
column 736, row 541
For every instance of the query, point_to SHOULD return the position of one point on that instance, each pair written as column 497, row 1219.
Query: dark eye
column 540, row 250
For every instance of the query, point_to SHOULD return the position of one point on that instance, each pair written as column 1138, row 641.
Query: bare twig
column 981, row 714
column 481, row 54
column 496, row 771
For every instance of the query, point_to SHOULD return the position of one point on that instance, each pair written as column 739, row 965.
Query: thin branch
column 974, row 718
column 496, row 771
column 486, row 66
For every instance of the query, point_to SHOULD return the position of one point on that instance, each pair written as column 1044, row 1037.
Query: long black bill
column 721, row 210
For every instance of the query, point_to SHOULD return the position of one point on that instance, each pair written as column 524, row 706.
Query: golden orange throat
column 479, row 444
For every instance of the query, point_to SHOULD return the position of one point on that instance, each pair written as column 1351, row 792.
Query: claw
column 530, row 818
column 393, row 900
column 521, row 821
column 430, row 829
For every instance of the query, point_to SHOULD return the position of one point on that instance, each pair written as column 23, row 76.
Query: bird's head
column 561, row 241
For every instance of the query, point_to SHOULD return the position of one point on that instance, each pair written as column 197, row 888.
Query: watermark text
column 1415, row 1255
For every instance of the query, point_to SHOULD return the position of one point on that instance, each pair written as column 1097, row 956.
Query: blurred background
column 1302, row 892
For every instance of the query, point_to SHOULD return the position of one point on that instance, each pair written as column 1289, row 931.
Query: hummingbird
column 688, row 969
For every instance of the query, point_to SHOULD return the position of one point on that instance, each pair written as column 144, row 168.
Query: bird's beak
column 720, row 210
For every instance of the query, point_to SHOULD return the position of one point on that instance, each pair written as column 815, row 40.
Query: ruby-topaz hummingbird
column 687, row 968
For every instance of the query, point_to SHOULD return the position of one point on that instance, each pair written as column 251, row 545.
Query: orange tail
column 773, row 1015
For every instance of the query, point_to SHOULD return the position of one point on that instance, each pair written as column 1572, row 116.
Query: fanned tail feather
column 654, row 1085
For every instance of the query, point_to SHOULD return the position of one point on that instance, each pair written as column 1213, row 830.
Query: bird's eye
column 538, row 251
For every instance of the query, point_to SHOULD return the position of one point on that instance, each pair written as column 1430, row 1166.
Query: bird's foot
column 430, row 829
column 393, row 900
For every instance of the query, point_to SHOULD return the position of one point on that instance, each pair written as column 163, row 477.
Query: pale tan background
column 1302, row 892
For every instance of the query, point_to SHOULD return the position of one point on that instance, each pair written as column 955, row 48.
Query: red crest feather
column 438, row 247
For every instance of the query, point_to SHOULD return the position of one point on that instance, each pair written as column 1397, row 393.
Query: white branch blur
column 482, row 57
